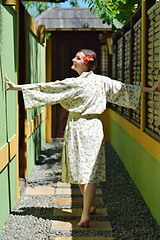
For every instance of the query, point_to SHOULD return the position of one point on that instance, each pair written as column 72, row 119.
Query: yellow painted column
column 143, row 64
column 49, row 108
column 26, row 112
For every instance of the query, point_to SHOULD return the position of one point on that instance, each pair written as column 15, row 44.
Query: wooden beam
column 9, row 2
column 41, row 33
column 13, row 147
column 48, row 74
column 4, row 157
column 30, row 23
column 35, row 123
column 110, row 45
column 143, row 63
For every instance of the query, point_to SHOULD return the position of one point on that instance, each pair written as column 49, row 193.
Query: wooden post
column 143, row 63
column 41, row 33
column 110, row 45
column 17, row 123
column 9, row 2
column 48, row 73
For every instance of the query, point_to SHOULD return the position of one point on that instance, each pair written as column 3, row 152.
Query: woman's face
column 78, row 63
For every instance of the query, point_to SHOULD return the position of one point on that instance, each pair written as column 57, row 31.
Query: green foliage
column 47, row 35
column 74, row 3
column 114, row 12
column 36, row 8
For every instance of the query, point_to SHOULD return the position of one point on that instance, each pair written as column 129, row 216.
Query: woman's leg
column 93, row 208
column 81, row 187
column 89, row 191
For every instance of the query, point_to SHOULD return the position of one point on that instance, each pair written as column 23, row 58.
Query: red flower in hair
column 88, row 58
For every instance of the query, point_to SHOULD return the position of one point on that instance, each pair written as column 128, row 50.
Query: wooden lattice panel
column 119, row 59
column 127, row 62
column 127, row 55
column 104, row 60
column 114, row 69
column 136, row 114
column 119, row 63
column 114, row 65
column 153, row 100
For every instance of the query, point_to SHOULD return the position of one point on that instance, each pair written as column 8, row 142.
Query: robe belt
column 73, row 115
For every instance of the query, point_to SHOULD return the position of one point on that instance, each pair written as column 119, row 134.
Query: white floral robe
column 85, row 97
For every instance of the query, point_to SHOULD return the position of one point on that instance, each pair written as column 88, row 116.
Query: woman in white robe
column 85, row 97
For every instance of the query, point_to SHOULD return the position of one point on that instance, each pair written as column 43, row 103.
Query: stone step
column 74, row 191
column 39, row 191
column 75, row 201
column 72, row 225
column 62, row 184
column 66, row 185
column 76, row 212
column 82, row 238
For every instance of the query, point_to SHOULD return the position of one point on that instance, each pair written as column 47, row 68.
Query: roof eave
column 78, row 29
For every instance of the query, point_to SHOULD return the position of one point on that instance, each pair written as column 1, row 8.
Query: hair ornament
column 88, row 58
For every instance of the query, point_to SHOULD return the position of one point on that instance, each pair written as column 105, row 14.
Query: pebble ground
column 128, row 214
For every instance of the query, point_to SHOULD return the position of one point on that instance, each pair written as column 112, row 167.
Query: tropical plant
column 36, row 8
column 113, row 12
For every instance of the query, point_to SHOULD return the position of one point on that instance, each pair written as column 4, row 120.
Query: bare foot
column 84, row 222
column 93, row 210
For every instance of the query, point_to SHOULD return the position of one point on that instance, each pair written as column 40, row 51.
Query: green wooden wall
column 8, row 107
column 36, row 74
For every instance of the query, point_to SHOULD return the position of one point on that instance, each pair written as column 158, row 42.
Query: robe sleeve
column 44, row 94
column 122, row 94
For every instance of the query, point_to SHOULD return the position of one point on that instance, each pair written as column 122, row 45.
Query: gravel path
column 128, row 213
column 32, row 217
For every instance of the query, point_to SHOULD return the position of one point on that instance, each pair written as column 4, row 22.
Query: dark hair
column 91, row 64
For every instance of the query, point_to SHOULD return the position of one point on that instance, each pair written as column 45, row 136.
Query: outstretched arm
column 126, row 95
column 12, row 86
column 152, row 89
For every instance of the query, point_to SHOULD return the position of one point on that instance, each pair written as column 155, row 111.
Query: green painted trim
column 4, row 198
column 9, row 193
column 143, row 169
column 13, row 180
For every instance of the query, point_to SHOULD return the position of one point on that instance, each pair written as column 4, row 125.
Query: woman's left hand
column 155, row 88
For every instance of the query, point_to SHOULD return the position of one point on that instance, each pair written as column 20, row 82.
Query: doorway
column 65, row 45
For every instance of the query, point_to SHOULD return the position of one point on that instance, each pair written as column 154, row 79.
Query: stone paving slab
column 66, row 185
column 74, row 212
column 62, row 184
column 39, row 191
column 72, row 225
column 75, row 191
column 82, row 238
column 75, row 201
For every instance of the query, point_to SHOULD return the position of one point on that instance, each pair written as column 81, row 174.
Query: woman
column 85, row 97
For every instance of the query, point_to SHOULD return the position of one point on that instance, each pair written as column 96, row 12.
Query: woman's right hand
column 12, row 86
